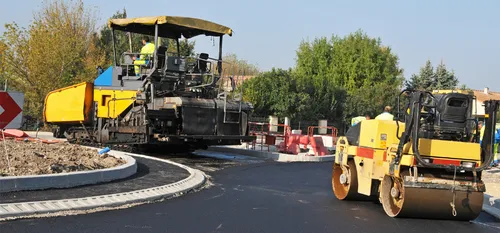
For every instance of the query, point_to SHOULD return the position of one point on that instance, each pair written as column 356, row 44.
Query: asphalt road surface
column 149, row 174
column 253, row 197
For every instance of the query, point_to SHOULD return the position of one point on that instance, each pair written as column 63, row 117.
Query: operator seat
column 200, row 67
column 452, row 109
column 201, row 64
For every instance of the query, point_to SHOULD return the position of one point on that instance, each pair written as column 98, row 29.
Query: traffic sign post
column 11, row 114
column 11, row 109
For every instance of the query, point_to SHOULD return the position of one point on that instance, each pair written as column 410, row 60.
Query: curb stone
column 280, row 157
column 70, row 179
column 23, row 209
column 491, row 205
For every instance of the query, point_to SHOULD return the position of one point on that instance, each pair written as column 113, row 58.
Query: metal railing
column 333, row 134
column 128, row 61
column 267, row 134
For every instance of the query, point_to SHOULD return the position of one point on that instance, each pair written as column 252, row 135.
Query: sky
column 462, row 34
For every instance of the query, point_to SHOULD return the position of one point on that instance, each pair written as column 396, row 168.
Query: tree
column 425, row 80
column 413, row 83
column 55, row 51
column 185, row 46
column 444, row 78
column 355, row 67
column 464, row 87
column 334, row 79
column 429, row 80
column 3, row 47
column 234, row 66
column 104, row 40
column 275, row 93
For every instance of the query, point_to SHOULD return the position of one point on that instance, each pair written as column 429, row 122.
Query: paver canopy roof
column 170, row 26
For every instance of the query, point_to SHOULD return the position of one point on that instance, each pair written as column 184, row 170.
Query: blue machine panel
column 105, row 79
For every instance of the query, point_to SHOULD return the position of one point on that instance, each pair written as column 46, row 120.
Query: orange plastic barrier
column 318, row 146
column 14, row 133
column 268, row 138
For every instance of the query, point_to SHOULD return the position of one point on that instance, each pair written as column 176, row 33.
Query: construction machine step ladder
column 237, row 99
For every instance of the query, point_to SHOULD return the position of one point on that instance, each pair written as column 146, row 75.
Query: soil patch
column 37, row 158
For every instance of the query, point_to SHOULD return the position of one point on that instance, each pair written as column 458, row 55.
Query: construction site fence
column 329, row 131
column 295, row 124
column 273, row 134
column 268, row 134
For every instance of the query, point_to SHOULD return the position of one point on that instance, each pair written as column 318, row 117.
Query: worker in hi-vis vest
column 386, row 115
column 356, row 120
column 147, row 49
column 495, row 148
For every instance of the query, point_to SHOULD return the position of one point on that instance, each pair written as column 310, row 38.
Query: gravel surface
column 491, row 178
column 36, row 158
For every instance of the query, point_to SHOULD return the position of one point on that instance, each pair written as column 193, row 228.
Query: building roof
column 483, row 95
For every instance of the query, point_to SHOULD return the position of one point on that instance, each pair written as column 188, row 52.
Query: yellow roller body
column 69, row 105
column 402, row 193
column 463, row 151
column 379, row 134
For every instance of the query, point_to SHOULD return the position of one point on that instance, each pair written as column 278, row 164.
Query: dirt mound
column 36, row 158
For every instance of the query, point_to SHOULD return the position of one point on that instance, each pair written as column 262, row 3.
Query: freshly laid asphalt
column 150, row 173
column 256, row 197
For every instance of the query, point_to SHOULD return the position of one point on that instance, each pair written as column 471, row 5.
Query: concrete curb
column 280, row 157
column 491, row 205
column 71, row 179
column 100, row 203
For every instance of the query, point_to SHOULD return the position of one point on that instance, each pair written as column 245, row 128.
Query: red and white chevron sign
column 11, row 109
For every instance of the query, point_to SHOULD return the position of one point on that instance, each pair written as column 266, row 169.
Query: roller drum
column 429, row 203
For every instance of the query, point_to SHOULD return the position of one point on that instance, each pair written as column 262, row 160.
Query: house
column 481, row 96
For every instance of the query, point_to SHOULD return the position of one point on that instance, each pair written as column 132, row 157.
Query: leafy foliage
column 444, row 78
column 234, row 66
column 429, row 80
column 185, row 46
column 275, row 93
column 464, row 87
column 56, row 50
column 425, row 80
column 3, row 47
column 334, row 79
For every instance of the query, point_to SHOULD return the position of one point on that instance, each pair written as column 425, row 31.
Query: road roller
column 426, row 163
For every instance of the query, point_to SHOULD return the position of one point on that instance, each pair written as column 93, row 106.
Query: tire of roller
column 347, row 191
